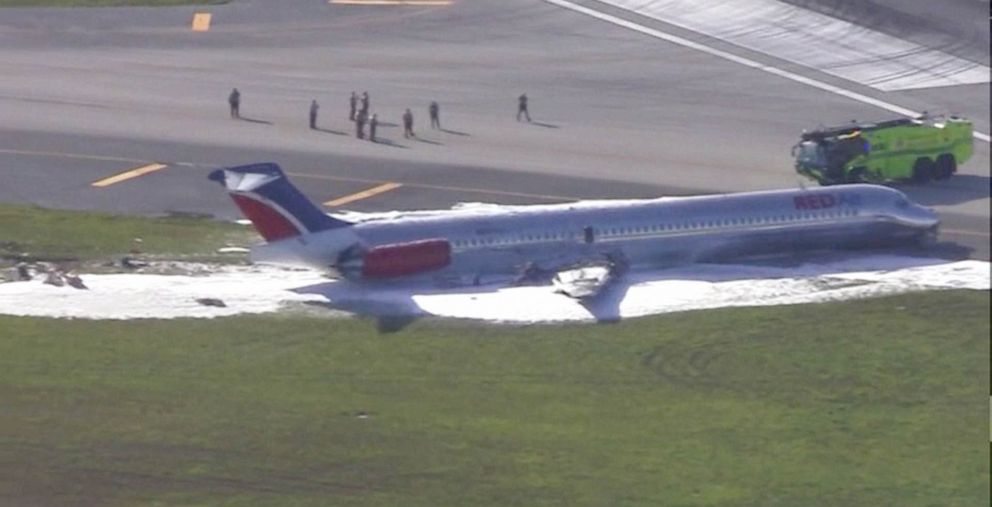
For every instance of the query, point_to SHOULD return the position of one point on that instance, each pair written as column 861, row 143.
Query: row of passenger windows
column 614, row 232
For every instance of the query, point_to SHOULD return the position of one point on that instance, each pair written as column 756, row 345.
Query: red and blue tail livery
column 276, row 208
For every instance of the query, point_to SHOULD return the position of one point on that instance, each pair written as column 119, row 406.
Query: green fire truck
column 917, row 150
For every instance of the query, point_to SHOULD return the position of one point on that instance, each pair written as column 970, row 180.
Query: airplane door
column 588, row 234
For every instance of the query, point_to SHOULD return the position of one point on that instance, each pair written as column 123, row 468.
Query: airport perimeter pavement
column 90, row 93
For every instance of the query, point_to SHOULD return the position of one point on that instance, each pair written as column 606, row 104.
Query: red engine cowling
column 398, row 259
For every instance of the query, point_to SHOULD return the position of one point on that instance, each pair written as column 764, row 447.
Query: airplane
column 581, row 246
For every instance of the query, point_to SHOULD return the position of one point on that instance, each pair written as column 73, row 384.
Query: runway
column 90, row 95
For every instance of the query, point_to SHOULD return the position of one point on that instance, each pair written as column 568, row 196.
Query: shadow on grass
column 391, row 305
column 605, row 307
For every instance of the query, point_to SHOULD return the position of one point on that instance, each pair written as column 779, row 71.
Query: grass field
column 105, row 3
column 52, row 235
column 877, row 402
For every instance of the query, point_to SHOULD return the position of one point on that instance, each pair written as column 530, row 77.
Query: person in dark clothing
column 234, row 100
column 435, row 113
column 352, row 106
column 408, row 124
column 373, row 123
column 365, row 104
column 313, row 113
column 360, row 125
column 522, row 107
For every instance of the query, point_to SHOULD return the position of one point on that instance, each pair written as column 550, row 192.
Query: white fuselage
column 504, row 240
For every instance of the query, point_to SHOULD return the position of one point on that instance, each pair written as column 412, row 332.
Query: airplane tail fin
column 276, row 208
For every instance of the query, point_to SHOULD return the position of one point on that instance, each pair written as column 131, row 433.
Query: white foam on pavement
column 263, row 290
column 815, row 40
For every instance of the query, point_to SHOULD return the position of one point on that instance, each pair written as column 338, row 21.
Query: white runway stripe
column 815, row 40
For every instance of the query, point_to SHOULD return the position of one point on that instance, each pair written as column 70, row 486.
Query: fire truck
column 916, row 150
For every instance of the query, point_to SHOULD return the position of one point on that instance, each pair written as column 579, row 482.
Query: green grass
column 40, row 234
column 876, row 402
column 106, row 3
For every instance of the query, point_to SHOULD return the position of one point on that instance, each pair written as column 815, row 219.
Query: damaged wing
column 587, row 280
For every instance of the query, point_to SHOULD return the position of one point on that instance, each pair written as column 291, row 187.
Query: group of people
column 358, row 112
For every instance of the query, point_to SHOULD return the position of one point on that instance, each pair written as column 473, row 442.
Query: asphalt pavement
column 89, row 93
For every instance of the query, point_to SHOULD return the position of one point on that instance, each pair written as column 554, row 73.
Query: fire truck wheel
column 922, row 170
column 945, row 167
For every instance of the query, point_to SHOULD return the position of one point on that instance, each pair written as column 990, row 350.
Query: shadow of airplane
column 605, row 307
column 819, row 262
column 949, row 250
column 395, row 305
column 387, row 321
column 959, row 189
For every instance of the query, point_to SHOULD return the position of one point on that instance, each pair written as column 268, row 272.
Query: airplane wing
column 587, row 280
column 583, row 282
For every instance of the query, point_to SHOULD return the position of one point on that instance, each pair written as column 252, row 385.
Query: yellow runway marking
column 126, row 175
column 438, row 187
column 390, row 2
column 201, row 21
column 365, row 194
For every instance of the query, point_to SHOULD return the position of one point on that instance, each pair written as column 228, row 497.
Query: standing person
column 408, row 124
column 234, row 100
column 522, row 107
column 313, row 114
column 352, row 106
column 373, row 123
column 360, row 125
column 365, row 104
column 435, row 113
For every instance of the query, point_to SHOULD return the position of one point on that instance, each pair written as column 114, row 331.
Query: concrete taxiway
column 89, row 94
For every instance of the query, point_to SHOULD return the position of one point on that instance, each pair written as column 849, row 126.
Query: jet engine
column 395, row 259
